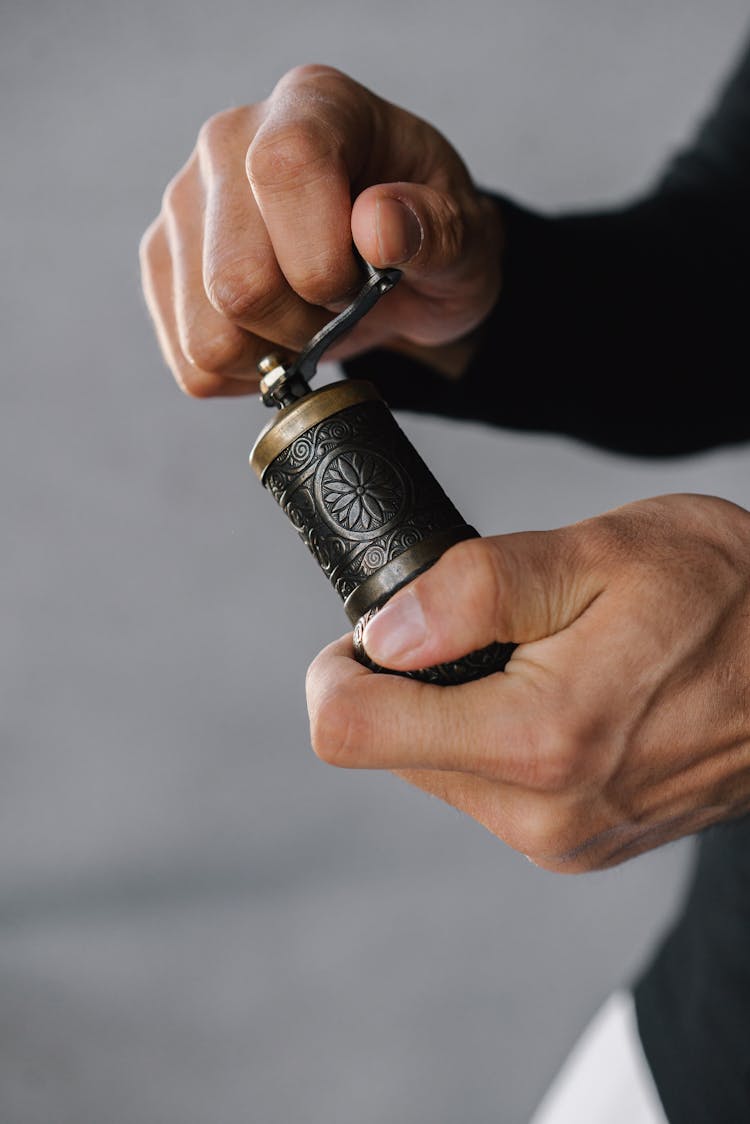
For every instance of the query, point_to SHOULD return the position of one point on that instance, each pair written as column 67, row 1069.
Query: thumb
column 510, row 588
column 428, row 232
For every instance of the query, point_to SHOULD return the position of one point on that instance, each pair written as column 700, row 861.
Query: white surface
column 606, row 1079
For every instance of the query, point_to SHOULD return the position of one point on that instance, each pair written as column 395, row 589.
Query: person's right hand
column 252, row 248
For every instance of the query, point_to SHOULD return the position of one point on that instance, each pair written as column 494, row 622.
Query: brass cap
column 294, row 420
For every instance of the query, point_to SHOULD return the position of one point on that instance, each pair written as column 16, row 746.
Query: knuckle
column 306, row 73
column 332, row 726
column 147, row 247
column 614, row 540
column 284, row 152
column 240, row 291
column 551, row 838
column 319, row 90
column 194, row 383
column 153, row 259
column 321, row 280
column 220, row 128
column 539, row 832
column 560, row 760
column 213, row 354
column 175, row 195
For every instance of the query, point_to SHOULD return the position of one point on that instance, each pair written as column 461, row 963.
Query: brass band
column 295, row 420
column 399, row 571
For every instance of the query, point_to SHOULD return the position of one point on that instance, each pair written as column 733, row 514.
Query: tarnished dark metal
column 353, row 485
column 357, row 491
column 317, row 406
column 283, row 383
column 402, row 568
column 477, row 665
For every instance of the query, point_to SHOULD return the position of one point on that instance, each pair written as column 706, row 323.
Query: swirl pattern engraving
column 358, row 493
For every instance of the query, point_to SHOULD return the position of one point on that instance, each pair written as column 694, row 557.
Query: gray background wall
column 198, row 920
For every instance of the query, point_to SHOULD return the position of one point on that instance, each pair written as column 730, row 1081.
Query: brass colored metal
column 400, row 570
column 273, row 371
column 269, row 363
column 293, row 421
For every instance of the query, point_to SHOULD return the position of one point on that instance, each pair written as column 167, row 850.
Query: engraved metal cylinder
column 363, row 501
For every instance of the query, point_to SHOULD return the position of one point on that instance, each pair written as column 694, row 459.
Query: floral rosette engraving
column 361, row 491
column 357, row 494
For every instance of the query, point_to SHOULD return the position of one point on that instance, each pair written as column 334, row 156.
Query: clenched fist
column 252, row 249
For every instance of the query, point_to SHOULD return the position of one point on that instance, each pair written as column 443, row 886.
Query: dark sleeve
column 625, row 328
column 693, row 1000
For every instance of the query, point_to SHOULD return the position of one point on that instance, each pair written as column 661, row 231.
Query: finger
column 208, row 341
column 240, row 273
column 560, row 833
column 301, row 166
column 511, row 588
column 539, row 827
column 488, row 802
column 446, row 243
column 156, row 267
column 359, row 719
column 523, row 753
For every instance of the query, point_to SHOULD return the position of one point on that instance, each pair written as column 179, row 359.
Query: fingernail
column 398, row 230
column 398, row 629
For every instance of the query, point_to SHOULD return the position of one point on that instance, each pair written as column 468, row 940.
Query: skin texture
column 623, row 718
column 252, row 249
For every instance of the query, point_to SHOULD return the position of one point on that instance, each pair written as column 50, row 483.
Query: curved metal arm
column 378, row 284
column 282, row 385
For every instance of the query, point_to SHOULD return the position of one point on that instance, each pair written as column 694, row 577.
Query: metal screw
column 269, row 363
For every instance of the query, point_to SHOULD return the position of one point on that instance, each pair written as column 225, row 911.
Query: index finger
column 366, row 720
column 301, row 166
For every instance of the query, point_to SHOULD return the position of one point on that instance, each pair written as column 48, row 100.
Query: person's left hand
column 622, row 720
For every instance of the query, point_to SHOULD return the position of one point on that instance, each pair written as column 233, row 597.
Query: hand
column 623, row 719
column 253, row 245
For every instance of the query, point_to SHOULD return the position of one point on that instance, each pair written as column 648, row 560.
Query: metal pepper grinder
column 355, row 488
